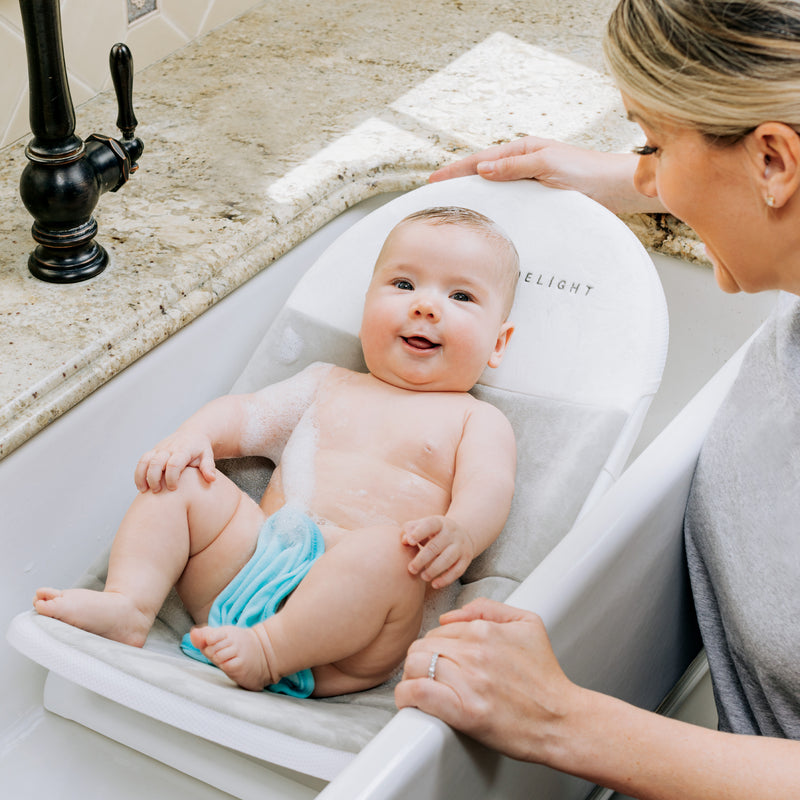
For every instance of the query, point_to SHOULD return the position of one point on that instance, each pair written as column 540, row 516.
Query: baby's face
column 434, row 314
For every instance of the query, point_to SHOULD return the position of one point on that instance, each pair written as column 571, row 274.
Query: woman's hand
column 605, row 177
column 497, row 679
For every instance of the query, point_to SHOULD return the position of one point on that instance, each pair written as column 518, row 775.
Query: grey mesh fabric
column 742, row 531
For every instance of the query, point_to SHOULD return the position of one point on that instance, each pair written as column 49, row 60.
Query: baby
column 386, row 482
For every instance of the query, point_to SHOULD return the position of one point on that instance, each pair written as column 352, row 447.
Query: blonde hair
column 474, row 220
column 721, row 67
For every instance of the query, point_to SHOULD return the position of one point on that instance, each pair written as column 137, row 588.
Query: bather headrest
column 585, row 305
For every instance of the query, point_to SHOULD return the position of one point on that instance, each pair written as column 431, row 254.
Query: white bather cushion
column 584, row 361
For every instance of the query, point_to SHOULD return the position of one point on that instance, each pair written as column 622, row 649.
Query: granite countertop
column 263, row 130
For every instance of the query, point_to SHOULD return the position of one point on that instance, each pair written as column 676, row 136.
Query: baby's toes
column 45, row 594
column 200, row 637
column 210, row 641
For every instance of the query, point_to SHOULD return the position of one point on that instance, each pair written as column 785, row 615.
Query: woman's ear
column 775, row 150
column 500, row 345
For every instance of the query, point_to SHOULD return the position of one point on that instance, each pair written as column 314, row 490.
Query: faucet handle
column 121, row 63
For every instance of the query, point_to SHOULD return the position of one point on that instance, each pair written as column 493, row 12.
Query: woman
column 715, row 86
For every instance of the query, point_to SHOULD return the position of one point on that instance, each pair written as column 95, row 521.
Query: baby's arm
column 234, row 425
column 483, row 486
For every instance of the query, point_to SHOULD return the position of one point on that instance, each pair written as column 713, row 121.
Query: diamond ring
column 432, row 666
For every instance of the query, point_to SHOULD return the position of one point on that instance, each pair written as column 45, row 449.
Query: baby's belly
column 354, row 491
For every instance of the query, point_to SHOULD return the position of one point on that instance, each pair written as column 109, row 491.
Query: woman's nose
column 644, row 179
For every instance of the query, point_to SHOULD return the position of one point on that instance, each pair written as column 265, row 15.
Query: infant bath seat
column 577, row 379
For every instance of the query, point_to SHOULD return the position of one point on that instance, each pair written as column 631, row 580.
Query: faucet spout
column 52, row 115
column 65, row 176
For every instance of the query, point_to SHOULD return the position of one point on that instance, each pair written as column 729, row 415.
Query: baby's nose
column 425, row 306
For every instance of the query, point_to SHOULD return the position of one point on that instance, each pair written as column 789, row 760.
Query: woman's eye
column 462, row 297
column 405, row 285
column 645, row 150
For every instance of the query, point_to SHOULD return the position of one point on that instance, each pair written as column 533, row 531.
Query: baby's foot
column 107, row 614
column 243, row 654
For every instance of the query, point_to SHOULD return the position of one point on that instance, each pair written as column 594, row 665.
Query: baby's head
column 436, row 312
column 506, row 262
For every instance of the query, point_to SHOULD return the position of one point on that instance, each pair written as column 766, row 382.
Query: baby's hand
column 162, row 466
column 445, row 549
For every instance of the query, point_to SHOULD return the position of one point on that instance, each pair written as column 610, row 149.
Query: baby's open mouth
column 420, row 343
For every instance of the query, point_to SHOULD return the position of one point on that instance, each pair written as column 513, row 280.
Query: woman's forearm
column 605, row 177
column 498, row 681
column 651, row 757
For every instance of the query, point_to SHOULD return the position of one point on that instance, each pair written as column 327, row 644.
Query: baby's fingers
column 155, row 471
column 181, row 459
column 173, row 468
column 207, row 465
column 139, row 473
column 145, row 468
column 423, row 561
column 445, row 569
column 157, row 468
column 418, row 531
column 440, row 562
column 451, row 575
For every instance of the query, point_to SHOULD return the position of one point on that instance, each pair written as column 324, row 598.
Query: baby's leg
column 352, row 618
column 197, row 537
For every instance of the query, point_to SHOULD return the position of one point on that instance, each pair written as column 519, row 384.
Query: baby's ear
column 500, row 345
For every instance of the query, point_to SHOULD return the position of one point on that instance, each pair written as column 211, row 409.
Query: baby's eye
column 462, row 297
column 402, row 283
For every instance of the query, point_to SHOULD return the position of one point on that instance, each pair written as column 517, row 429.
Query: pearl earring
column 770, row 201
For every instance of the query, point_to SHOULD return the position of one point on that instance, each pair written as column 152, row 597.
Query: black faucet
column 65, row 176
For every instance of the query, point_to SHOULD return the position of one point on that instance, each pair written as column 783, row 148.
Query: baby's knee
column 192, row 480
column 221, row 493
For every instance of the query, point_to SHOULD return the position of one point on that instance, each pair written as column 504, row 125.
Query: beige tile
column 186, row 15
column 15, row 77
column 17, row 122
column 152, row 39
column 222, row 11
column 9, row 11
column 81, row 93
column 89, row 30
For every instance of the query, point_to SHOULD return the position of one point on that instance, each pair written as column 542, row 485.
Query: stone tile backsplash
column 152, row 29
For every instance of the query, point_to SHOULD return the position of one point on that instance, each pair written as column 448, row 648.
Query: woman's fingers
column 500, row 162
column 496, row 678
column 440, row 695
column 489, row 610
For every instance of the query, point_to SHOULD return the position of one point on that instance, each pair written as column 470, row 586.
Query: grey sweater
column 742, row 532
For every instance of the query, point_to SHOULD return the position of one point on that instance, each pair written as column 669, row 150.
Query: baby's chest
column 401, row 433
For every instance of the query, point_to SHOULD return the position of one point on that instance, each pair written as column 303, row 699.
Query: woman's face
column 715, row 190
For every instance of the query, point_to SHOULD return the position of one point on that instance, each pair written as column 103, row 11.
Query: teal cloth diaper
column 288, row 544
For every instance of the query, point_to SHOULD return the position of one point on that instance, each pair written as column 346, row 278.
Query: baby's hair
column 474, row 220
